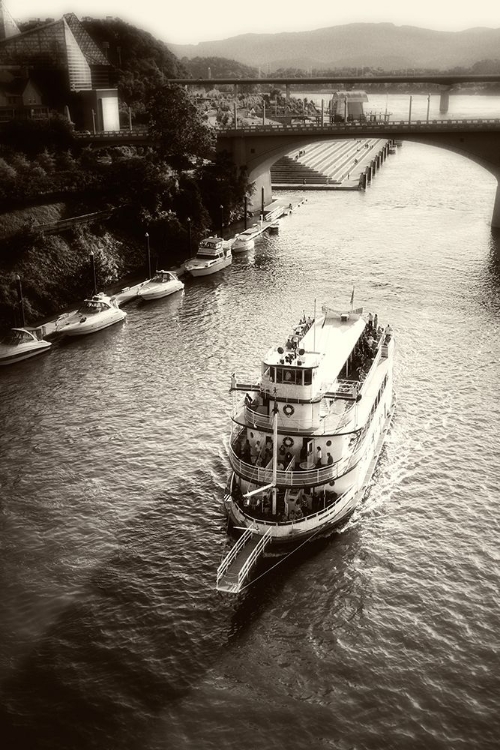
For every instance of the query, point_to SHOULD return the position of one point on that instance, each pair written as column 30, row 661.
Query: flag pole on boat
column 314, row 329
column 275, row 452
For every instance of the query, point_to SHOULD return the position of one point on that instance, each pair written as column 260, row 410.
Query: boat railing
column 291, row 522
column 290, row 477
column 257, row 419
column 252, row 558
column 233, row 553
column 348, row 389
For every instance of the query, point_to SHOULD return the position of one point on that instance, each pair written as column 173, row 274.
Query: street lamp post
column 221, row 220
column 149, row 255
column 93, row 121
column 428, row 105
column 94, row 277
column 409, row 112
column 189, row 233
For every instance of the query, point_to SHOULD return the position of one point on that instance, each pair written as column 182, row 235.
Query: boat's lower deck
column 288, row 508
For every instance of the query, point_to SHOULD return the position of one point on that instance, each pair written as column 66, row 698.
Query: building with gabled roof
column 66, row 65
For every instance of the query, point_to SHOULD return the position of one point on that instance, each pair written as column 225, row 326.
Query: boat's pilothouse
column 306, row 435
column 213, row 254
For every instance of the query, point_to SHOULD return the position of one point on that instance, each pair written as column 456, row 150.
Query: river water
column 113, row 464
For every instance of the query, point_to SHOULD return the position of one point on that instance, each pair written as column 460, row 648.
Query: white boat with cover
column 213, row 254
column 21, row 343
column 162, row 284
column 96, row 313
column 306, row 436
column 246, row 240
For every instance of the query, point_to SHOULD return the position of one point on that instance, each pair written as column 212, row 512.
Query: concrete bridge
column 257, row 147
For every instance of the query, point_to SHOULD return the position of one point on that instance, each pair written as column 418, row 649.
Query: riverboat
column 160, row 285
column 96, row 313
column 306, row 436
column 21, row 343
column 213, row 254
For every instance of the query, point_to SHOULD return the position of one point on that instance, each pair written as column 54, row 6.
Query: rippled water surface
column 113, row 464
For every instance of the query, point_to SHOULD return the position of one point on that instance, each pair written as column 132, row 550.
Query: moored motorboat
column 162, row 284
column 306, row 436
column 245, row 240
column 213, row 254
column 21, row 343
column 97, row 312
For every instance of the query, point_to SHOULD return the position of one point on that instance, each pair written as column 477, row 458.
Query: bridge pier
column 495, row 219
column 444, row 99
column 263, row 193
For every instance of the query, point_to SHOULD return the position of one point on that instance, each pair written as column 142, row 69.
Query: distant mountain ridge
column 381, row 45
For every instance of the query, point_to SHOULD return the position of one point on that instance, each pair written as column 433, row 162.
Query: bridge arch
column 258, row 148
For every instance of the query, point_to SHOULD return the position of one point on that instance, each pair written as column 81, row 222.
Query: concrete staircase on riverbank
column 333, row 163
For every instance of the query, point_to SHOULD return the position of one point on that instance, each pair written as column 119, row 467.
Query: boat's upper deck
column 323, row 343
column 211, row 246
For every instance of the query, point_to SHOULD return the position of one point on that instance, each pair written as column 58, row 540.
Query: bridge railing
column 368, row 126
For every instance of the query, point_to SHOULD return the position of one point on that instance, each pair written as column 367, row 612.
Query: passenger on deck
column 319, row 456
column 246, row 452
column 329, row 459
column 255, row 450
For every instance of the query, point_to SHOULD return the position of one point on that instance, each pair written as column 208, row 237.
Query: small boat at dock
column 97, row 312
column 21, row 343
column 161, row 285
column 213, row 255
column 246, row 240
column 306, row 436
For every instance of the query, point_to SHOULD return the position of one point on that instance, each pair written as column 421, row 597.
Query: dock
column 50, row 328
column 235, row 569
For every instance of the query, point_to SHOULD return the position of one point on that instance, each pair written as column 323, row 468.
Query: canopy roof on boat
column 326, row 342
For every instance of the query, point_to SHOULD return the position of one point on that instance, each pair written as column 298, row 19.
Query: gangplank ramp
column 235, row 569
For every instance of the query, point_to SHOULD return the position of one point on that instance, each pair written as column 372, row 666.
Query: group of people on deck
column 258, row 454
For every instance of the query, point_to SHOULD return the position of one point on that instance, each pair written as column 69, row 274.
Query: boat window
column 90, row 307
column 307, row 377
column 207, row 256
column 13, row 338
column 290, row 377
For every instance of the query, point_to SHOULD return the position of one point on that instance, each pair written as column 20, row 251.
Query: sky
column 193, row 21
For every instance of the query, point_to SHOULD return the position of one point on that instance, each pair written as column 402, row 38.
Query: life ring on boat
column 288, row 441
column 288, row 410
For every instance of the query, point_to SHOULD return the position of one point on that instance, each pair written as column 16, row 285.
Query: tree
column 221, row 184
column 181, row 136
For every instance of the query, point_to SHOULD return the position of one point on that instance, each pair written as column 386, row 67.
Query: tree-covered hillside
column 141, row 62
column 217, row 67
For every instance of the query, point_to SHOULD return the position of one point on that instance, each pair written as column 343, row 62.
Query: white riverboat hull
column 283, row 536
